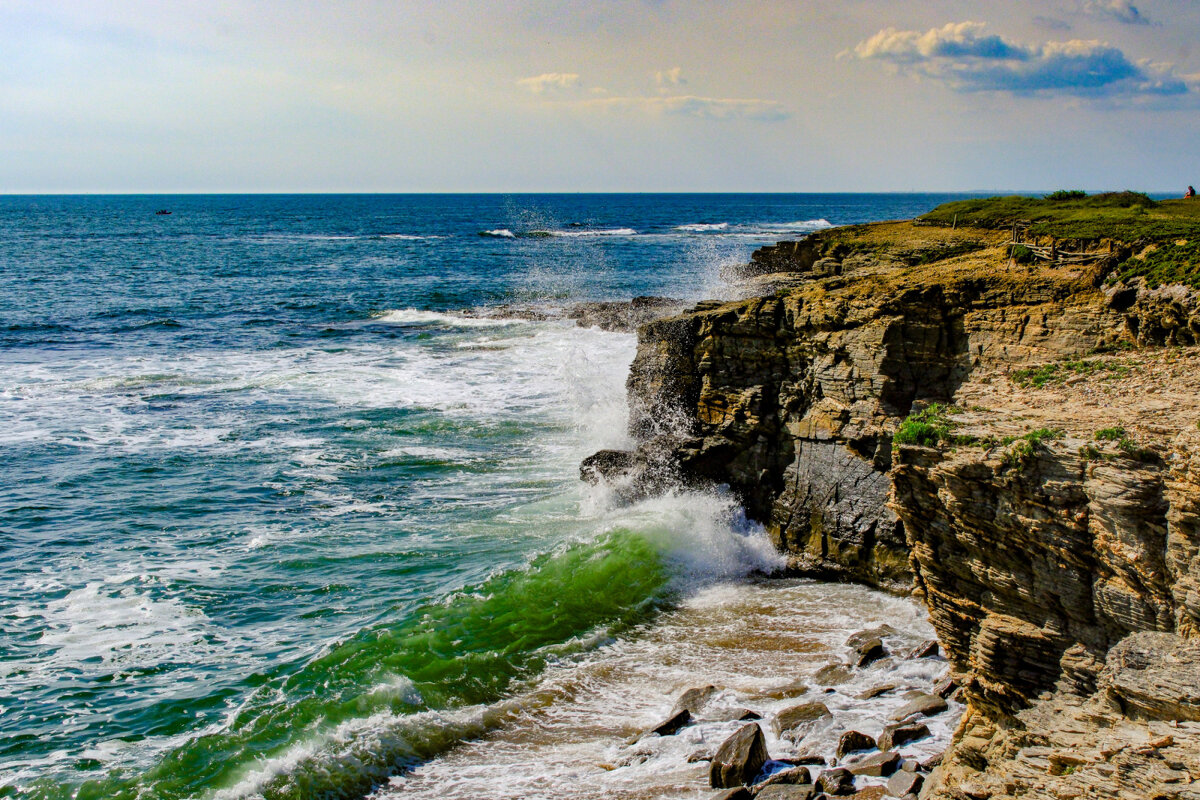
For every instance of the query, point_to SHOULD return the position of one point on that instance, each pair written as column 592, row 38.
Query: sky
column 598, row 96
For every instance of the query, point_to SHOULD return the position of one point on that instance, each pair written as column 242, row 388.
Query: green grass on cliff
column 1125, row 216
column 929, row 427
column 1057, row 373
column 1166, row 262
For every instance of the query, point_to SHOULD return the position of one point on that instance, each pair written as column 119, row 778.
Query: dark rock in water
column 853, row 741
column 793, row 689
column 832, row 675
column 878, row 632
column 932, row 763
column 836, row 781
column 945, row 687
column 781, row 791
column 694, row 699
column 876, row 691
column 808, row 758
column 902, row 783
column 674, row 724
column 868, row 652
column 795, row 716
column 625, row 317
column 910, row 765
column 606, row 465
column 738, row 793
column 927, row 649
column 739, row 758
column 927, row 705
column 739, row 714
column 698, row 756
column 895, row 735
column 878, row 765
column 793, row 776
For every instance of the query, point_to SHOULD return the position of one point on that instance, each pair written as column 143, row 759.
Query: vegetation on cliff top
column 1125, row 216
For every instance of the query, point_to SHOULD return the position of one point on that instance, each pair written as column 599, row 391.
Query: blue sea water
column 278, row 491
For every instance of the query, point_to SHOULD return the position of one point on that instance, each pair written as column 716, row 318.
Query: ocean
column 287, row 511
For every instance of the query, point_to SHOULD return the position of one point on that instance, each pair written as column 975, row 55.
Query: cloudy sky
column 598, row 95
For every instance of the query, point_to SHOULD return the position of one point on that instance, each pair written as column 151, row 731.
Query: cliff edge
column 994, row 407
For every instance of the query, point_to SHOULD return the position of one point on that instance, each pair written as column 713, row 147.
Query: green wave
column 467, row 650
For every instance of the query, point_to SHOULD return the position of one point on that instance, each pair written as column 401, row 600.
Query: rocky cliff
column 1047, row 506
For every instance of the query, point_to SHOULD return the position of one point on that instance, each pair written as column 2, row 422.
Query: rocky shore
column 921, row 408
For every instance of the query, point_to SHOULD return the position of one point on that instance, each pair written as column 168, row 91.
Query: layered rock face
column 1064, row 586
column 791, row 400
column 1063, row 576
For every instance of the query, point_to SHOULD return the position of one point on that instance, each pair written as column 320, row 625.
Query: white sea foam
column 416, row 316
column 579, row 232
column 499, row 233
column 702, row 227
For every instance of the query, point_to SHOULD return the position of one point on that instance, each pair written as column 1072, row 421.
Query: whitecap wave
column 499, row 233
column 416, row 316
column 587, row 232
column 702, row 227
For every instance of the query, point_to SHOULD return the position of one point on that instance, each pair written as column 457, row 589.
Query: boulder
column 785, row 792
column 902, row 783
column 792, row 689
column 878, row 765
column 738, row 793
column 895, row 735
column 673, row 724
column 795, row 716
column 739, row 758
column 876, row 691
column 852, row 741
column 792, row 776
column 927, row 649
column 945, row 687
column 871, row 633
column 693, row 699
column 838, row 781
column 926, row 705
column 832, row 675
column 868, row 652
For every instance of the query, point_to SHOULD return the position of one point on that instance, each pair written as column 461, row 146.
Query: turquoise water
column 267, row 473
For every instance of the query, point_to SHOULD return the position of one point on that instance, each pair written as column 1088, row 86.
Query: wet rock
column 672, row 725
column 910, row 765
column 606, row 465
column 878, row 632
column 870, row 793
column 926, row 705
column 868, row 652
column 945, row 687
column 624, row 316
column 808, row 758
column 879, row 765
column 696, row 756
column 853, row 741
column 739, row 758
column 793, row 689
column 894, row 736
column 785, row 792
column 793, row 776
column 832, row 675
column 838, row 781
column 927, row 649
column 902, row 783
column 876, row 691
column 694, row 699
column 932, row 763
column 738, row 793
column 791, row 718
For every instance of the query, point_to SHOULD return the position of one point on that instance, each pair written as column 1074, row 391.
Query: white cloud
column 538, row 84
column 1119, row 10
column 720, row 108
column 967, row 58
column 669, row 77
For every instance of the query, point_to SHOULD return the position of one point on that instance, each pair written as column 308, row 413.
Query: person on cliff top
column 1191, row 192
